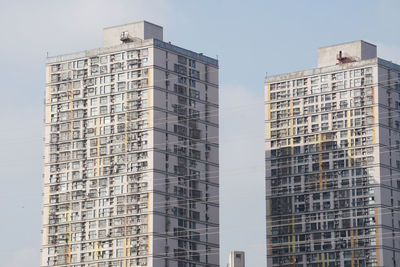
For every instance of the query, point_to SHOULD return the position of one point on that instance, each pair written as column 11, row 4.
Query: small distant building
column 236, row 259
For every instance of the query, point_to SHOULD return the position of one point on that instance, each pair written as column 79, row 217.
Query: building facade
column 236, row 259
column 333, row 161
column 131, row 154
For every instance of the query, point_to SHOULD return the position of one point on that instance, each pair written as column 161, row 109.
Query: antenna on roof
column 341, row 58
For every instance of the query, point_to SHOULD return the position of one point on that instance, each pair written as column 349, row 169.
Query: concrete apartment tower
column 333, row 161
column 236, row 259
column 131, row 154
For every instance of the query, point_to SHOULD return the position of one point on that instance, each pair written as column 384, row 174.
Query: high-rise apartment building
column 236, row 259
column 333, row 161
column 131, row 154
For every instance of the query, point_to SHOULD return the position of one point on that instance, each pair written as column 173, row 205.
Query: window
column 103, row 60
column 105, row 89
column 337, row 86
column 324, row 88
column 314, row 80
column 121, row 76
column 194, row 74
column 314, row 118
column 103, row 110
column 337, row 76
column 180, row 69
column 182, row 80
column 300, row 82
column 80, row 63
column 103, row 100
column 315, row 89
column 94, row 111
column 194, row 94
column 192, row 63
column 182, row 60
column 118, row 108
column 144, row 52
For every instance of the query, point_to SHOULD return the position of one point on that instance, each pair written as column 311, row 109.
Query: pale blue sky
column 250, row 39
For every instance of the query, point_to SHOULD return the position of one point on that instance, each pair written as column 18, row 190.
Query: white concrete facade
column 237, row 259
column 131, row 174
column 333, row 161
